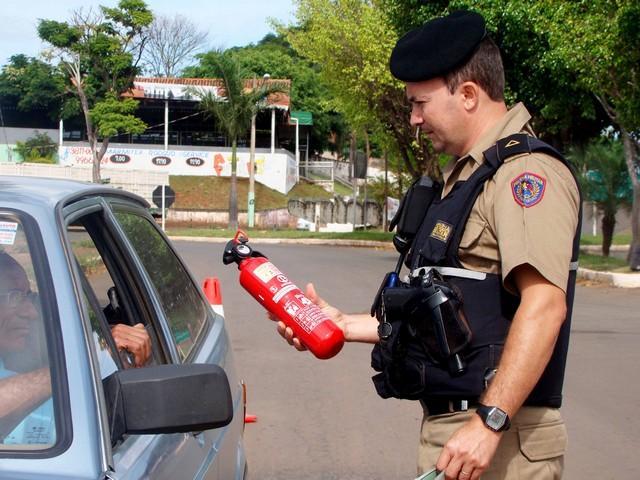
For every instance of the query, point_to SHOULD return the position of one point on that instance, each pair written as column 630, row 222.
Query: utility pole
column 252, row 159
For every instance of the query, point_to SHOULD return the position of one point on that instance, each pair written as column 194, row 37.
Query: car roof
column 51, row 191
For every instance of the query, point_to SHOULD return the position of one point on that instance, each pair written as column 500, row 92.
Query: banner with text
column 275, row 170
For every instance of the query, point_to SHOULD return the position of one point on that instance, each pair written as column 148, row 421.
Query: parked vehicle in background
column 80, row 258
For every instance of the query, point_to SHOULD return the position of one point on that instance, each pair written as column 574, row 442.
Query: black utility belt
column 440, row 406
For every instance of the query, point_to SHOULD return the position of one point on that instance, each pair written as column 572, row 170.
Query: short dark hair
column 484, row 68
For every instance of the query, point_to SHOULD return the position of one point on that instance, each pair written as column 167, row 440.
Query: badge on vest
column 528, row 189
column 441, row 231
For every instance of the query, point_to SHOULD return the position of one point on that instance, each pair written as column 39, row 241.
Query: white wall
column 276, row 171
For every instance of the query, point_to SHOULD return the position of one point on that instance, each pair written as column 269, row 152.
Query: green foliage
column 234, row 111
column 604, row 180
column 598, row 41
column 353, row 55
column 274, row 56
column 32, row 84
column 113, row 115
column 603, row 174
column 37, row 149
column 100, row 53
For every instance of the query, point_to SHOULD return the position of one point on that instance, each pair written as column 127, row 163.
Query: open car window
column 28, row 403
column 184, row 308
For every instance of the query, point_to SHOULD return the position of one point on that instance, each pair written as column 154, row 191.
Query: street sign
column 169, row 196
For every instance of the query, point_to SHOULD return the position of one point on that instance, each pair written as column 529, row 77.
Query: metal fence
column 326, row 171
column 140, row 182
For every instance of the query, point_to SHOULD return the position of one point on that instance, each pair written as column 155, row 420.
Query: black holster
column 425, row 325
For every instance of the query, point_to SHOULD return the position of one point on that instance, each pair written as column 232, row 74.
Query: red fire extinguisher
column 283, row 299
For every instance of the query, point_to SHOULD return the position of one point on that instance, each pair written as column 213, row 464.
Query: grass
column 598, row 262
column 376, row 235
column 212, row 193
column 618, row 239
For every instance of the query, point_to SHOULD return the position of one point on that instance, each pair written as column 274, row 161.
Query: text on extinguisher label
column 305, row 313
column 266, row 272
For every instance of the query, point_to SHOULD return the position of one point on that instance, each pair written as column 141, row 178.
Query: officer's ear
column 470, row 94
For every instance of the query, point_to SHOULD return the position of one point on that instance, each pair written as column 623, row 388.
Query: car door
column 118, row 289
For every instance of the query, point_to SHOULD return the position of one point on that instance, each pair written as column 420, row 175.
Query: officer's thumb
column 313, row 296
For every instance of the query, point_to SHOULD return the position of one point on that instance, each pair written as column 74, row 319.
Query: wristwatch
column 494, row 418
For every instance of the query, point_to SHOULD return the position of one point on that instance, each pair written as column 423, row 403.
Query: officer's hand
column 134, row 339
column 331, row 312
column 469, row 451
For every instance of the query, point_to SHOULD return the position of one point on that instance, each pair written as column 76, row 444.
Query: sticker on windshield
column 8, row 233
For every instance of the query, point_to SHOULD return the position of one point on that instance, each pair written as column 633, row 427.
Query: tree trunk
column 608, row 226
column 92, row 135
column 630, row 158
column 385, row 213
column 233, row 188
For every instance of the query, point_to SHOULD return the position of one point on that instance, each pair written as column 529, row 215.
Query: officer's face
column 17, row 311
column 438, row 114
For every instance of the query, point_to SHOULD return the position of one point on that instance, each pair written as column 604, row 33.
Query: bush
column 38, row 149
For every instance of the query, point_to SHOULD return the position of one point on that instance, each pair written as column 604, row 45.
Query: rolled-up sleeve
column 536, row 215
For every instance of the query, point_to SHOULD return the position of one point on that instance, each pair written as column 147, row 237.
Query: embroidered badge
column 441, row 231
column 528, row 189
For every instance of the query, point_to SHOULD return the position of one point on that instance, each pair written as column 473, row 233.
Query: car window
column 183, row 306
column 27, row 405
column 108, row 301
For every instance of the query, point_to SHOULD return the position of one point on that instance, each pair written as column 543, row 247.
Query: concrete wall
column 336, row 210
column 268, row 219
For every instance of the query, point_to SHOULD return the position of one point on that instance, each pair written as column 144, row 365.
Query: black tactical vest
column 488, row 307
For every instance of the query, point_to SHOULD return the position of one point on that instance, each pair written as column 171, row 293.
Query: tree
column 353, row 56
column 598, row 41
column 100, row 52
column 32, row 84
column 171, row 42
column 274, row 56
column 604, row 180
column 233, row 110
column 38, row 149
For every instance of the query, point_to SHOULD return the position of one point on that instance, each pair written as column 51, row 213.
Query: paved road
column 322, row 420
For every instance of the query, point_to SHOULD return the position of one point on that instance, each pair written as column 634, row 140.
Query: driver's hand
column 134, row 339
column 333, row 313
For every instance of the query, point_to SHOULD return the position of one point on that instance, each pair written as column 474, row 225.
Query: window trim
column 55, row 345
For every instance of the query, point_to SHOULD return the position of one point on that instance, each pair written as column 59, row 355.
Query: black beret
column 438, row 47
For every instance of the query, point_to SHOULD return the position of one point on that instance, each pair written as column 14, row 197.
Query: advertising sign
column 277, row 170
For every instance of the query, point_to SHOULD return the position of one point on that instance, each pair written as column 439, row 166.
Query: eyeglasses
column 15, row 298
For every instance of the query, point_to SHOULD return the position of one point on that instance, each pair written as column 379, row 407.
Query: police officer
column 518, row 234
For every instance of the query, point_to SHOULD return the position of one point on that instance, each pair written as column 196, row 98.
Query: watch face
column 495, row 418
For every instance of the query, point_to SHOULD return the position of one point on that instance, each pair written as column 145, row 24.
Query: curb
column 620, row 280
column 297, row 241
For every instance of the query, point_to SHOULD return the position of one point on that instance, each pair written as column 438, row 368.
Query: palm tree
column 234, row 110
column 605, row 181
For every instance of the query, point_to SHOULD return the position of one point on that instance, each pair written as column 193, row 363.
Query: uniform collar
column 514, row 121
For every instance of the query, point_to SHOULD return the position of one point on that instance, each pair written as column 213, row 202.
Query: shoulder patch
column 528, row 189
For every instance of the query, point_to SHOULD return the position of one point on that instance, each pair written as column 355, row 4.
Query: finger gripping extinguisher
column 282, row 298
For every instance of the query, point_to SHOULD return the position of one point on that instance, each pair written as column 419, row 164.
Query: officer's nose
column 416, row 117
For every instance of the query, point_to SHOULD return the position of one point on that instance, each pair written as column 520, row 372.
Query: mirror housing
column 167, row 399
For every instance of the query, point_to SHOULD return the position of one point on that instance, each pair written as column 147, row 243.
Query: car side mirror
column 167, row 399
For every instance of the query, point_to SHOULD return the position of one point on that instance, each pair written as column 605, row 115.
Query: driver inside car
column 26, row 407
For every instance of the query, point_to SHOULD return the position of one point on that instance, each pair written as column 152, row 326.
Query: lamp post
column 251, row 203
column 168, row 96
column 297, row 149
column 252, row 159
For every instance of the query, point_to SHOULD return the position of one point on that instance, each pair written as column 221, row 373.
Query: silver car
column 79, row 264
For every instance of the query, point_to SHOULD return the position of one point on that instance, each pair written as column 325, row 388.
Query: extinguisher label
column 309, row 317
column 278, row 296
column 266, row 272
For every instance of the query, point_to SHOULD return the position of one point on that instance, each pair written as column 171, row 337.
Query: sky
column 229, row 23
